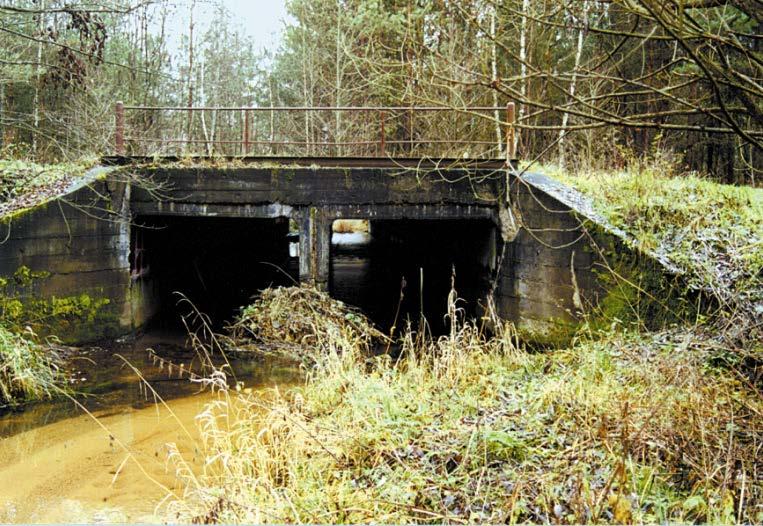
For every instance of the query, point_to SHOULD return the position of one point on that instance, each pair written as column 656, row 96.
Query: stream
column 58, row 465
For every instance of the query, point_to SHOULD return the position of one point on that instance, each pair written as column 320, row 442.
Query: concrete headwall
column 64, row 265
column 255, row 191
column 563, row 263
column 548, row 276
column 314, row 196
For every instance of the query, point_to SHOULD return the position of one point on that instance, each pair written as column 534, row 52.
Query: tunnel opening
column 219, row 264
column 416, row 258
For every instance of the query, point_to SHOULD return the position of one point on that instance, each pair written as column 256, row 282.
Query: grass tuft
column 28, row 371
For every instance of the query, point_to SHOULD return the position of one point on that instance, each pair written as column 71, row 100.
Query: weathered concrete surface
column 64, row 264
column 545, row 271
column 565, row 261
column 316, row 196
column 297, row 187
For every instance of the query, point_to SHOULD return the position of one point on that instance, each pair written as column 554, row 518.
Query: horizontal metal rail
column 390, row 123
column 303, row 143
column 317, row 108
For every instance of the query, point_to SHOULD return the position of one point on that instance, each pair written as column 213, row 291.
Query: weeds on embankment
column 27, row 370
column 24, row 183
column 472, row 428
column 712, row 232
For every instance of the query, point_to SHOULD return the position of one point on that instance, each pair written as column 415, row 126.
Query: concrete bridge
column 103, row 259
column 100, row 254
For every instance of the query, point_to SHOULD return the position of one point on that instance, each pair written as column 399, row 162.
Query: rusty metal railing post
column 246, row 133
column 381, row 142
column 410, row 131
column 119, row 125
column 511, row 144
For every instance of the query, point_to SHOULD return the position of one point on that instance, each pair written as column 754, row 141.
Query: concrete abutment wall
column 544, row 272
column 64, row 266
column 548, row 278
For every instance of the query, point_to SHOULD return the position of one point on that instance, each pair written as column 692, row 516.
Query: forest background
column 597, row 83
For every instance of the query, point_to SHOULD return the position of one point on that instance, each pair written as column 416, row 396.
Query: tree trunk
column 203, row 102
column 2, row 115
column 494, row 68
column 524, row 81
column 38, row 70
column 573, row 85
column 338, row 79
column 189, row 126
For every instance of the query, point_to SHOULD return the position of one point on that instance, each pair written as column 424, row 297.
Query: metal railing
column 378, row 131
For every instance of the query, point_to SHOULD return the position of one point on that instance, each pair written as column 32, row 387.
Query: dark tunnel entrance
column 218, row 263
column 368, row 270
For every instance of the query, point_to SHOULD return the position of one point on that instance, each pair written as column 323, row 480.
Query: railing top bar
column 318, row 108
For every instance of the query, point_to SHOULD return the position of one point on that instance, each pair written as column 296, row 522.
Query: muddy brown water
column 58, row 465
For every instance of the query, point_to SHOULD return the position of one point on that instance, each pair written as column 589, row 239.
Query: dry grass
column 28, row 371
column 471, row 428
column 297, row 321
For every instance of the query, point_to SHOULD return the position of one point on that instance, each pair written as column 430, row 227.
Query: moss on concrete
column 76, row 318
column 554, row 333
column 10, row 217
column 633, row 291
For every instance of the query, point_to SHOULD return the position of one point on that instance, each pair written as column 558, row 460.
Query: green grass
column 713, row 232
column 471, row 428
column 28, row 371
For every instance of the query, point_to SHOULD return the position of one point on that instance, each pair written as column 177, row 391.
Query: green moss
column 75, row 318
column 82, row 318
column 280, row 174
column 24, row 276
column 53, row 315
column 554, row 333
column 10, row 217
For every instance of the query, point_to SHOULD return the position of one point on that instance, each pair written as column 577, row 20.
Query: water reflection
column 57, row 464
column 105, row 383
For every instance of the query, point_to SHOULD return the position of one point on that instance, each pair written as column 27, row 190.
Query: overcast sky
column 263, row 20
